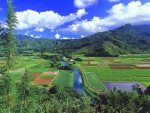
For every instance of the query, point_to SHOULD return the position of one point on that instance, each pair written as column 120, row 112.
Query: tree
column 8, row 37
column 26, row 94
column 8, row 83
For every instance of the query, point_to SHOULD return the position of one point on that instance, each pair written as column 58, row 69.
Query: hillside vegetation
column 124, row 40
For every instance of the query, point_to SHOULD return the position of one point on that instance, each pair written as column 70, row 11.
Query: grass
column 120, row 74
column 17, row 75
column 38, row 70
column 90, row 68
column 103, row 74
column 139, row 73
column 109, row 79
column 47, row 76
column 94, row 82
column 64, row 78
column 146, row 83
column 142, row 79
column 125, row 79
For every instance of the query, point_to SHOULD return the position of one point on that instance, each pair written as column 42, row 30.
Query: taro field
column 126, row 68
column 39, row 69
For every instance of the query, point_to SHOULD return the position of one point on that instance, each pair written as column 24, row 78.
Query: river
column 77, row 80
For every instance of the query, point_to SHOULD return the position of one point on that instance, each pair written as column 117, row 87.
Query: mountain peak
column 126, row 27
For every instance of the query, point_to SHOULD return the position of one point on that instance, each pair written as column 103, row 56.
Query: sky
column 73, row 19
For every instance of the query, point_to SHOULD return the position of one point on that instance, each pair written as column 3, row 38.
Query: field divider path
column 37, row 78
column 100, row 81
column 86, row 80
column 51, row 82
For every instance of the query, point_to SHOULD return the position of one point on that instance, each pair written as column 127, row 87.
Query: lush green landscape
column 34, row 78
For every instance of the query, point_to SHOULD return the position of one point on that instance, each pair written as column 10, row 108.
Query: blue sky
column 75, row 18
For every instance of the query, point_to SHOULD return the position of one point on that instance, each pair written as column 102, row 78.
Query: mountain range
column 126, row 39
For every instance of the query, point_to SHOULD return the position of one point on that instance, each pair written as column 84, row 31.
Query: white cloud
column 39, row 29
column 65, row 38
column 84, row 3
column 85, row 27
column 120, row 14
column 31, row 36
column 38, row 36
column 57, row 36
column 26, row 34
column 113, row 0
column 82, row 36
column 48, row 19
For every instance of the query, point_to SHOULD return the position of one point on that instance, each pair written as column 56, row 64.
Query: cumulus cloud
column 82, row 36
column 57, row 36
column 65, row 38
column 38, row 36
column 39, row 29
column 84, row 3
column 113, row 0
column 31, row 36
column 48, row 19
column 85, row 27
column 27, row 32
column 134, row 13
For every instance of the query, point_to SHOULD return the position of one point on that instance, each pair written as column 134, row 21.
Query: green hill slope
column 124, row 40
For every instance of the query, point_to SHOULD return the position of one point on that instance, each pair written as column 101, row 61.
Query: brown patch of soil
column 42, row 62
column 129, row 65
column 115, row 65
column 42, row 80
column 116, row 62
column 89, row 65
column 143, row 62
column 120, row 67
column 36, row 74
column 142, row 67
column 50, row 73
column 2, row 63
column 107, row 58
column 101, row 65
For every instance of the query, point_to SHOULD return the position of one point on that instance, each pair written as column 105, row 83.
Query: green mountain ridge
column 124, row 40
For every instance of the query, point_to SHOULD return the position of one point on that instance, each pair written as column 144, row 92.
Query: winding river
column 77, row 80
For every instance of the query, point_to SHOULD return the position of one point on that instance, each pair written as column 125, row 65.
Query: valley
column 95, row 71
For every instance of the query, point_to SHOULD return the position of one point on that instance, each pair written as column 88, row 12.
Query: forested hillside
column 145, row 28
column 124, row 40
column 25, row 43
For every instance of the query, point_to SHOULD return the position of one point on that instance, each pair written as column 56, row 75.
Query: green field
column 94, row 82
column 64, row 78
column 47, row 76
column 34, row 65
column 119, row 71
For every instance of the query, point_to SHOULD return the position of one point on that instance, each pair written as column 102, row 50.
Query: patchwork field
column 116, row 69
column 39, row 69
